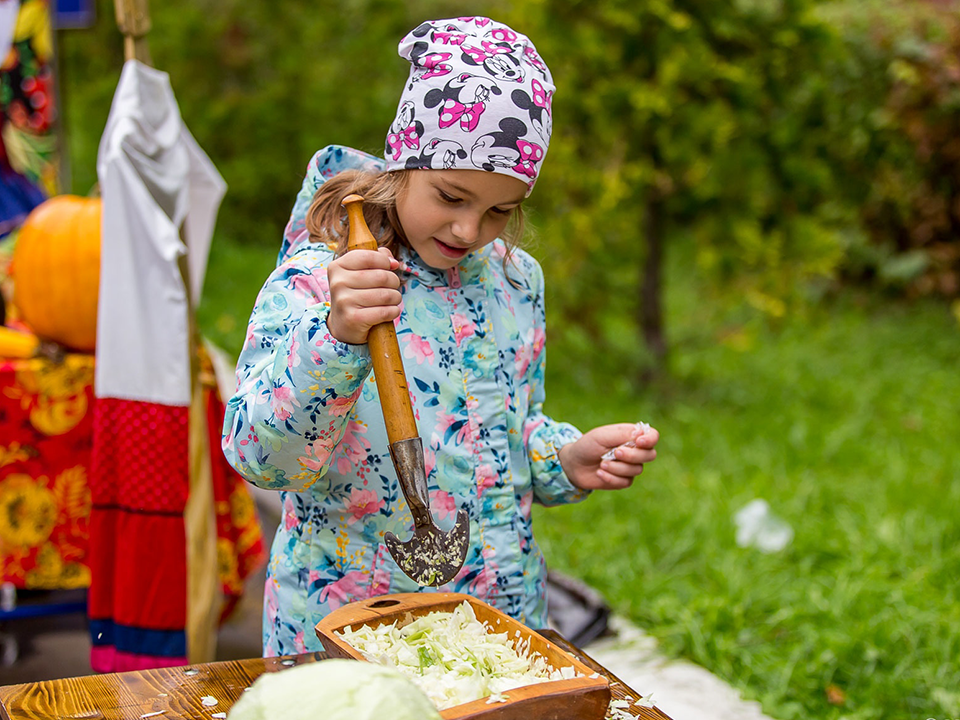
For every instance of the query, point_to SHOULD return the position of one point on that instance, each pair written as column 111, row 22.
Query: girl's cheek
column 494, row 226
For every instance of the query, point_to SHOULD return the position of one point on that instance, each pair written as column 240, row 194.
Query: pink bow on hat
column 436, row 65
column 408, row 136
column 468, row 115
column 487, row 50
column 530, row 155
column 541, row 97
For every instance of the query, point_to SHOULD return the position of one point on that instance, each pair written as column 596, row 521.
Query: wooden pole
column 133, row 19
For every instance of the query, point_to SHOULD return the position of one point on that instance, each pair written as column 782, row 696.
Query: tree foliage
column 787, row 139
column 902, row 79
column 690, row 118
column 792, row 140
column 261, row 85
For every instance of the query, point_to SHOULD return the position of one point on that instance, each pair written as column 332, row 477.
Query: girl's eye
column 448, row 198
column 501, row 211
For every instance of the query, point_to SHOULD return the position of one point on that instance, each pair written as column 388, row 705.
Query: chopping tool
column 431, row 557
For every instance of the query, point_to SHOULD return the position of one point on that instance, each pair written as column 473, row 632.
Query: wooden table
column 167, row 693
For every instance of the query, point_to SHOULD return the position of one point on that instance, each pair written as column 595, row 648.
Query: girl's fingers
column 352, row 299
column 364, row 279
column 633, row 455
column 615, row 434
column 621, row 469
column 624, row 448
column 378, row 298
column 622, row 436
column 614, row 482
column 648, row 439
column 367, row 260
column 368, row 317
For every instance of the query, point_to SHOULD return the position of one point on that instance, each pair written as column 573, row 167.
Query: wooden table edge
column 123, row 689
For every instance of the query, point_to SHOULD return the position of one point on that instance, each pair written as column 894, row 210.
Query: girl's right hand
column 364, row 291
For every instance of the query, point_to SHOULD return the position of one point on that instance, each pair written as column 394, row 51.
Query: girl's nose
column 466, row 228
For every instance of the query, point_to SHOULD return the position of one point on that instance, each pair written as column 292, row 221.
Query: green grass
column 843, row 417
column 845, row 420
column 235, row 273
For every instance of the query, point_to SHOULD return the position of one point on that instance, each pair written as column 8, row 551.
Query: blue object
column 28, row 611
column 162, row 643
column 75, row 13
column 18, row 196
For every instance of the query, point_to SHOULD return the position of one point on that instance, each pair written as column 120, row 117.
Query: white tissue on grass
column 758, row 527
column 208, row 701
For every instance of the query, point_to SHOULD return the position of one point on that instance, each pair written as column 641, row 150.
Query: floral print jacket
column 306, row 420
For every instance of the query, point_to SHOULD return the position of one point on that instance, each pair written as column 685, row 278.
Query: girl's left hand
column 583, row 464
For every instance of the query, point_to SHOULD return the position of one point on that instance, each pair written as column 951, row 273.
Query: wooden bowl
column 579, row 698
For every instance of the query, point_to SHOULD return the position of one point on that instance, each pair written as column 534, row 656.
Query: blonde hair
column 326, row 219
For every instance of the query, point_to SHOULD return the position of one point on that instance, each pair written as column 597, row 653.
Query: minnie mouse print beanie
column 478, row 98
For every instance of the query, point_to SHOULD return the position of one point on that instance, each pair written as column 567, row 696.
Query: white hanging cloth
column 8, row 23
column 154, row 179
column 151, row 481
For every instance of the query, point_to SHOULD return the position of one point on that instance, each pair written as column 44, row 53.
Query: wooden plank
column 170, row 692
column 619, row 690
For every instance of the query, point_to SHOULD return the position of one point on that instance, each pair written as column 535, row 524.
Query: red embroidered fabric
column 140, row 456
column 129, row 548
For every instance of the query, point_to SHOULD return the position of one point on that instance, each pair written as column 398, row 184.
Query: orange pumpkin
column 56, row 270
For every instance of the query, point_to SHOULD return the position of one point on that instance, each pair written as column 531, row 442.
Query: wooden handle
column 133, row 20
column 382, row 340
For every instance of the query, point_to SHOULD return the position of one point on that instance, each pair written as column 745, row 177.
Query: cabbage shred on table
column 454, row 658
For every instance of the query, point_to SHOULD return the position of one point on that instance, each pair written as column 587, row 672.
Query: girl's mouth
column 449, row 250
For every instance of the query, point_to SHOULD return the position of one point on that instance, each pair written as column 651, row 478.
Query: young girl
column 466, row 147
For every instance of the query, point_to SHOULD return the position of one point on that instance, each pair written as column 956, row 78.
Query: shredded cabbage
column 453, row 657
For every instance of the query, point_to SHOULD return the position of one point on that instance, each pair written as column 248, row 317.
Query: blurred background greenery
column 750, row 224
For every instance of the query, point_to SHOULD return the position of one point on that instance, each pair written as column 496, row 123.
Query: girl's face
column 447, row 214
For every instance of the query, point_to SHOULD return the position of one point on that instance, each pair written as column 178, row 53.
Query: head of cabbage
column 335, row 690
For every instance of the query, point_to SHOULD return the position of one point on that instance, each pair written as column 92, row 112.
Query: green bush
column 901, row 79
